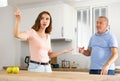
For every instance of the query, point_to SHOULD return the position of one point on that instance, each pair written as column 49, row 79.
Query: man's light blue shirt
column 101, row 52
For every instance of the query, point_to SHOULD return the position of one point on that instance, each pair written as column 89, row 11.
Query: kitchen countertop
column 56, row 69
column 70, row 69
column 64, row 69
column 54, row 76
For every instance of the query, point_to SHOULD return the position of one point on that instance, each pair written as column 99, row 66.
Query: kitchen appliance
column 27, row 59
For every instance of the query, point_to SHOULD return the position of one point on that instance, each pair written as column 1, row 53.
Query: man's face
column 101, row 25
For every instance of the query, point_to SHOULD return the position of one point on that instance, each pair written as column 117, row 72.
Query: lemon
column 15, row 70
column 9, row 69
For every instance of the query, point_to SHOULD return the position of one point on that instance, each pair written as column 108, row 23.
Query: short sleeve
column 90, row 45
column 29, row 33
column 113, row 41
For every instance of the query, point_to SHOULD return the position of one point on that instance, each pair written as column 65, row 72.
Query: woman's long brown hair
column 37, row 24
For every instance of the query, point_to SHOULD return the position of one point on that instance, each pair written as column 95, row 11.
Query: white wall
column 8, row 52
column 80, row 60
column 114, row 17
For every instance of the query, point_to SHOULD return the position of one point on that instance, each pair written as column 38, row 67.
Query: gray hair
column 104, row 18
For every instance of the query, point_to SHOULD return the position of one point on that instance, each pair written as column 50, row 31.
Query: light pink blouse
column 39, row 47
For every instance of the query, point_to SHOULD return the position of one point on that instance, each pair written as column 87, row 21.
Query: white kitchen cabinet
column 62, row 22
column 62, row 17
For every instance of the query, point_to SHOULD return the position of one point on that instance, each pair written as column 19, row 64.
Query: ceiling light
column 3, row 3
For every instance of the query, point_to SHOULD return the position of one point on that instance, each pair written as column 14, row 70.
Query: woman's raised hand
column 17, row 14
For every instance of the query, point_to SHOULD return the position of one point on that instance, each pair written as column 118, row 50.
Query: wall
column 8, row 44
column 80, row 60
column 114, row 17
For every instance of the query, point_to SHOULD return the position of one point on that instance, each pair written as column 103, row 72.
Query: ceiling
column 24, row 2
column 20, row 2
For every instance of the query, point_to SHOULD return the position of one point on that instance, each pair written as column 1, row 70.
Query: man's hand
column 81, row 50
column 104, row 70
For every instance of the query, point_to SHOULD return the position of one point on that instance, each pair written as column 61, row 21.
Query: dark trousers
column 110, row 72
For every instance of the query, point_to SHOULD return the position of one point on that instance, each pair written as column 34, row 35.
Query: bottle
column 73, row 64
column 63, row 63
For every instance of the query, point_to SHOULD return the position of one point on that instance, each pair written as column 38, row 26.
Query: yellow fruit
column 9, row 70
column 15, row 70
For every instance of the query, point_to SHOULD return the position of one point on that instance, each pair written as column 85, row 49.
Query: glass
column 103, row 11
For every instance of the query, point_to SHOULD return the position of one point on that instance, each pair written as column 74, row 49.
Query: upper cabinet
column 62, row 22
column 62, row 19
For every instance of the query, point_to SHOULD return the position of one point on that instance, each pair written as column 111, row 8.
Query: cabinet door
column 62, row 21
column 57, row 19
column 68, row 21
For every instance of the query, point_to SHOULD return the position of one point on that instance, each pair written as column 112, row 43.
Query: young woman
column 39, row 42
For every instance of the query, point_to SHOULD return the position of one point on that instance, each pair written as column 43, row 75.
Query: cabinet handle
column 62, row 31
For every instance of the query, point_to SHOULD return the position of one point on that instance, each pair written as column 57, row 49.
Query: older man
column 102, row 48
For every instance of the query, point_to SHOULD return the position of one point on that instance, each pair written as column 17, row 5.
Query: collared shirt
column 101, row 45
column 39, row 47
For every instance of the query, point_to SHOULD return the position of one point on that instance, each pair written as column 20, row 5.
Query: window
column 86, row 23
column 83, row 20
column 96, row 12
